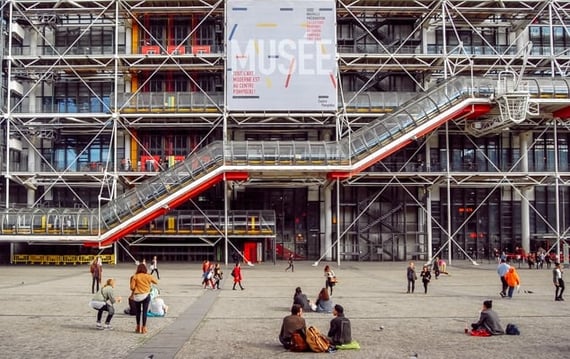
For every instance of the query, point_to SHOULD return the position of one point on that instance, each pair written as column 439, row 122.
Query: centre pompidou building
column 336, row 130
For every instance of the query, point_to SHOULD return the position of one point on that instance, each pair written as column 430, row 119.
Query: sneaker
column 99, row 325
column 502, row 294
column 108, row 327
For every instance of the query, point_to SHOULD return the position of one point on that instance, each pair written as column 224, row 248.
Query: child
column 426, row 277
column 218, row 275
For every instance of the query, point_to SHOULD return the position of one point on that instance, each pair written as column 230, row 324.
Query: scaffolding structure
column 102, row 97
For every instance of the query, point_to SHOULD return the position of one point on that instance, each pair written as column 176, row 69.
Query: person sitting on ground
column 157, row 307
column 291, row 324
column 324, row 302
column 132, row 308
column 300, row 298
column 340, row 331
column 488, row 320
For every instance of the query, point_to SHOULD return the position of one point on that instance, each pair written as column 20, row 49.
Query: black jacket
column 340, row 332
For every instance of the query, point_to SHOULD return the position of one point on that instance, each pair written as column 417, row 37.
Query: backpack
column 298, row 343
column 512, row 329
column 317, row 342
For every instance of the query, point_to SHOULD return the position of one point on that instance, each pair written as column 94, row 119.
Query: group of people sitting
column 323, row 304
column 339, row 332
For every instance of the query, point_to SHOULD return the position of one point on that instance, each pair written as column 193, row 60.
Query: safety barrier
column 59, row 259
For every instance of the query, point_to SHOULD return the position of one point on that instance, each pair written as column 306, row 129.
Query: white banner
column 281, row 55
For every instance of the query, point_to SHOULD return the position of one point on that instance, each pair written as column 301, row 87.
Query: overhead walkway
column 242, row 160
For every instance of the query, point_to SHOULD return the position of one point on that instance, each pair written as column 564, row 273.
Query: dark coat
column 340, row 331
column 489, row 320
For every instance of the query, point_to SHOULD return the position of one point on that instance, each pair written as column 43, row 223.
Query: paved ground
column 45, row 313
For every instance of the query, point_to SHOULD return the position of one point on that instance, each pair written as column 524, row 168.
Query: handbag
column 333, row 280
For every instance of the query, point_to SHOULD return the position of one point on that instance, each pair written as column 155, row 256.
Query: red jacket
column 237, row 274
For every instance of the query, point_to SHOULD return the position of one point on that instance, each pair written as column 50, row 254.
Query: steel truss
column 370, row 58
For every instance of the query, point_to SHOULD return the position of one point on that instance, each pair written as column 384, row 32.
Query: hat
column 488, row 304
column 339, row 309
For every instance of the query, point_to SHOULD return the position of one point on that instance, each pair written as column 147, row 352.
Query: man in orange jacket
column 513, row 280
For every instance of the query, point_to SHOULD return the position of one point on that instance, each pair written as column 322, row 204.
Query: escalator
column 240, row 160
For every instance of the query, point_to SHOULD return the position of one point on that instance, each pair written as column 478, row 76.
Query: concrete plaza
column 45, row 313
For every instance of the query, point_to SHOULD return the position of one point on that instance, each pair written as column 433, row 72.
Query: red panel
column 338, row 175
column 200, row 49
column 176, row 50
column 478, row 110
column 236, row 176
column 250, row 252
column 562, row 113
column 150, row 50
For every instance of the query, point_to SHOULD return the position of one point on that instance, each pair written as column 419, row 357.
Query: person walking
column 330, row 280
column 412, row 277
column 290, row 261
column 141, row 284
column 426, row 277
column 557, row 273
column 513, row 280
column 154, row 267
column 103, row 302
column 502, row 270
column 236, row 273
column 205, row 270
column 436, row 267
column 218, row 275
column 96, row 269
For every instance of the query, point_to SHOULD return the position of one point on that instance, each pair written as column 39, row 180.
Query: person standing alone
column 154, row 267
column 412, row 277
column 557, row 273
column 96, row 270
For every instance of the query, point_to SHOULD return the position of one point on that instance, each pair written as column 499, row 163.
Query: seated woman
column 324, row 302
column 488, row 320
column 300, row 298
column 157, row 307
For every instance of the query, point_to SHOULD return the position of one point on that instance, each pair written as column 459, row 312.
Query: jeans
column 559, row 289
column 96, row 281
column 106, row 308
column 504, row 285
column 411, row 285
column 157, row 274
column 142, row 310
column 510, row 293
